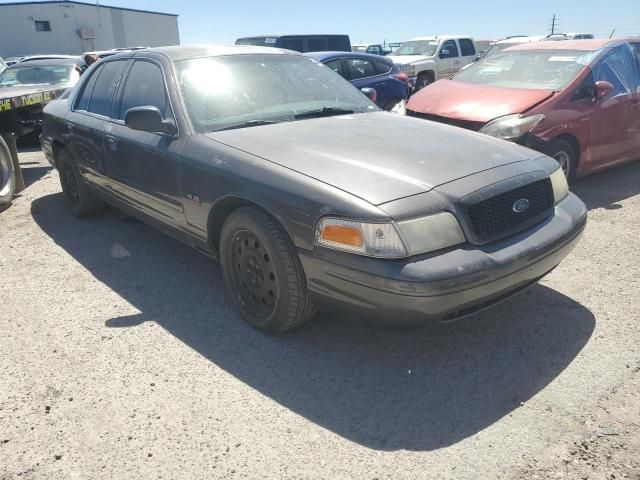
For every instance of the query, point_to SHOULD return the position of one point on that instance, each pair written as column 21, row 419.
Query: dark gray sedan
column 308, row 194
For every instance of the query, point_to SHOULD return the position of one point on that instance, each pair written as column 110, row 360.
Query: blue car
column 371, row 71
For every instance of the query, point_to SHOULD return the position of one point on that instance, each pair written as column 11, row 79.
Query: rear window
column 466, row 47
column 104, row 87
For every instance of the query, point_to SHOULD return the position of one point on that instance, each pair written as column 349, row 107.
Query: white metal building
column 70, row 27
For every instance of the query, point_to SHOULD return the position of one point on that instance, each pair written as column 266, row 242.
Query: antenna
column 612, row 32
column 554, row 24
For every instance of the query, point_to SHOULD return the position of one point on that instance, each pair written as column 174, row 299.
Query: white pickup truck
column 427, row 59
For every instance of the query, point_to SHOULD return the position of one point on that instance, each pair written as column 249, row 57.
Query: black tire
column 392, row 103
column 262, row 272
column 7, row 174
column 563, row 151
column 424, row 79
column 81, row 200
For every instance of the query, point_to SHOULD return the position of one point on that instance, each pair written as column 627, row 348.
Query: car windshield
column 497, row 47
column 529, row 69
column 38, row 75
column 427, row 48
column 249, row 90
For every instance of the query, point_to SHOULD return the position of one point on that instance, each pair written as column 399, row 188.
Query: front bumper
column 444, row 285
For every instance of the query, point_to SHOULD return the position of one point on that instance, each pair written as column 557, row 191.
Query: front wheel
column 423, row 80
column 7, row 174
column 564, row 153
column 262, row 272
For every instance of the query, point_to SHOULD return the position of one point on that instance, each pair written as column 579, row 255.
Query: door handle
column 111, row 142
column 69, row 127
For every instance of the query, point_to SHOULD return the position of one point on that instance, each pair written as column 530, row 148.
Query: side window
column 294, row 44
column 636, row 53
column 83, row 102
column 316, row 44
column 336, row 66
column 338, row 43
column 105, row 86
column 382, row 68
column 451, row 47
column 375, row 50
column 144, row 87
column 360, row 68
column 466, row 47
column 618, row 68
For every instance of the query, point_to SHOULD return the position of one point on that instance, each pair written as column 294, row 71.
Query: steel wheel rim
column 253, row 274
column 70, row 185
column 564, row 160
column 5, row 175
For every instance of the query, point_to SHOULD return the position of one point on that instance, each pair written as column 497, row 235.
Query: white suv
column 427, row 59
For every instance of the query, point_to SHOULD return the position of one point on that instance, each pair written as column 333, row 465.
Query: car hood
column 473, row 102
column 378, row 156
column 406, row 59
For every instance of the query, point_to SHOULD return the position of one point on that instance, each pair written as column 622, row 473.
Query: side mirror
column 148, row 119
column 370, row 93
column 444, row 53
column 603, row 89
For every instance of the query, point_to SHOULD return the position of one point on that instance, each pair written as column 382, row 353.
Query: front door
column 615, row 121
column 145, row 166
column 449, row 59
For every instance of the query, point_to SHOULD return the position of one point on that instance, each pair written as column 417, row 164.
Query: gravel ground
column 121, row 357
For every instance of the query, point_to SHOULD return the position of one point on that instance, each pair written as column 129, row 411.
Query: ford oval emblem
column 520, row 205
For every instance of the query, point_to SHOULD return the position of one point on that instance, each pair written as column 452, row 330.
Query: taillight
column 403, row 77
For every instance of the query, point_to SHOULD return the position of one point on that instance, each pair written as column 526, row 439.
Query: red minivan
column 577, row 101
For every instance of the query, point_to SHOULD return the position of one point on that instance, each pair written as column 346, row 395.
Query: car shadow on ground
column 608, row 188
column 418, row 390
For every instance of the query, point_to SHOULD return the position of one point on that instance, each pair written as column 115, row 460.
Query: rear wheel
column 81, row 200
column 565, row 155
column 7, row 174
column 263, row 273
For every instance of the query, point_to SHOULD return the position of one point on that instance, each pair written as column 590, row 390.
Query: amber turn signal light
column 343, row 234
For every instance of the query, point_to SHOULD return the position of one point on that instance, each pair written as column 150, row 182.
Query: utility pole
column 554, row 24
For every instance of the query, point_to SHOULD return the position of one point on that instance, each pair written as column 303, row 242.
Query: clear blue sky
column 377, row 20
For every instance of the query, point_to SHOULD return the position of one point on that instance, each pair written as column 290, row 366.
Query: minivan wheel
column 7, row 174
column 81, row 200
column 262, row 272
column 564, row 153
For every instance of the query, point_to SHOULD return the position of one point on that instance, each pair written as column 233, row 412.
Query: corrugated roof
column 41, row 2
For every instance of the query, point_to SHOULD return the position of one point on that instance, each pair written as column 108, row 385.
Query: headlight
column 371, row 239
column 389, row 240
column 408, row 69
column 559, row 184
column 430, row 233
column 511, row 127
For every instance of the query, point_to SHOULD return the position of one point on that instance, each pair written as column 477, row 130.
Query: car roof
column 42, row 63
column 520, row 39
column 177, row 52
column 586, row 45
column 442, row 37
column 321, row 56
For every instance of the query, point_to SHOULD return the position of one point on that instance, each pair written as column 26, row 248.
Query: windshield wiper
column 248, row 123
column 324, row 112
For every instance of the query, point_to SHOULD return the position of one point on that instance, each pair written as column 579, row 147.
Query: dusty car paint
column 344, row 166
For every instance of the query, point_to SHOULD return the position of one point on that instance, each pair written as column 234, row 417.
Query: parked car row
column 576, row 101
column 309, row 195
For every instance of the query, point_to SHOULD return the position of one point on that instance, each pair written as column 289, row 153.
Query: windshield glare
column 39, row 75
column 529, row 69
column 230, row 90
column 427, row 48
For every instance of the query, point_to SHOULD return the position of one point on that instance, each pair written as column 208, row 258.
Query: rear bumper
column 448, row 284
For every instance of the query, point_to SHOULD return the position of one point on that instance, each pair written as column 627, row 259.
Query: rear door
column 615, row 121
column 467, row 53
column 146, row 166
column 87, row 121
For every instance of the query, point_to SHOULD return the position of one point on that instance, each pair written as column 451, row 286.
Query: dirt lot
column 120, row 357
